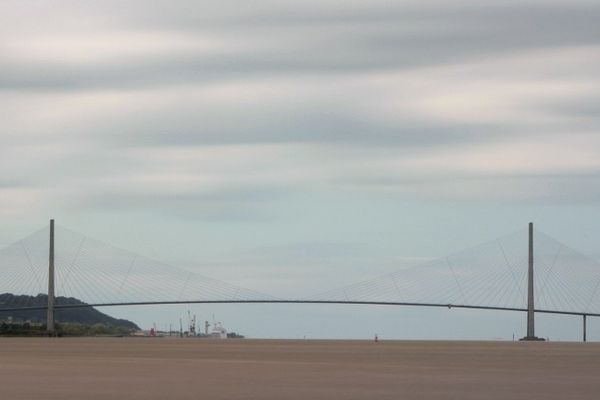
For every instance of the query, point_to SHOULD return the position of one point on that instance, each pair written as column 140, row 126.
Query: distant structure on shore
column 218, row 331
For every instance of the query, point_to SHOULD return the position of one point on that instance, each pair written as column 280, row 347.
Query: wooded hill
column 84, row 315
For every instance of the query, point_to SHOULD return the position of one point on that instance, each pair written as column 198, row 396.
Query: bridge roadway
column 347, row 302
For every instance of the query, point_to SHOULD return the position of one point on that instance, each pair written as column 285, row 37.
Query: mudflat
column 168, row 368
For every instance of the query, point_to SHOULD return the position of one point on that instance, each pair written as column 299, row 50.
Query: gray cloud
column 300, row 40
column 350, row 94
column 220, row 205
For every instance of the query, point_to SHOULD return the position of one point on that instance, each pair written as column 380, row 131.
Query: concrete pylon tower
column 50, row 318
column 530, row 292
column 530, row 297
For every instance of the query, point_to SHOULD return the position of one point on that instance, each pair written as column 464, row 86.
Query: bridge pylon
column 50, row 315
column 530, row 293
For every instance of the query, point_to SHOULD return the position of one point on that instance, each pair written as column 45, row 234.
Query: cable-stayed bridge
column 526, row 271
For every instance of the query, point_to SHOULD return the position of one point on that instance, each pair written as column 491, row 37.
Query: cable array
column 98, row 273
column 492, row 274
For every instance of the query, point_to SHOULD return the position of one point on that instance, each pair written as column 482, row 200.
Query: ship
column 217, row 331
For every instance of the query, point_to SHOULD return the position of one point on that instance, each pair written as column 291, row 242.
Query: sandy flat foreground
column 165, row 368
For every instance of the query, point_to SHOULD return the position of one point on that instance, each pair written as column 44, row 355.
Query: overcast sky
column 292, row 147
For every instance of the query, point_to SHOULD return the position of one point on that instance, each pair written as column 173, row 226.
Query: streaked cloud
column 218, row 109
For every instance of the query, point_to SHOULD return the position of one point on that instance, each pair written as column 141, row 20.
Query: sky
column 294, row 147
